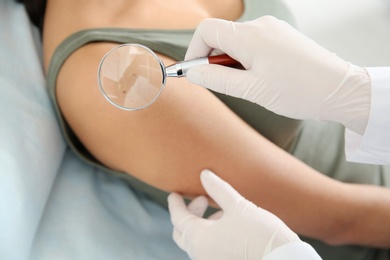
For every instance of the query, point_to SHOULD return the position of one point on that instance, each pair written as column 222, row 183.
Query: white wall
column 357, row 30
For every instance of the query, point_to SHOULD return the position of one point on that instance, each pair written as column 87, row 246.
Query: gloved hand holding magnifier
column 131, row 76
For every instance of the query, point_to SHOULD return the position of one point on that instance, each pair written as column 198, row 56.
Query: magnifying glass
column 131, row 76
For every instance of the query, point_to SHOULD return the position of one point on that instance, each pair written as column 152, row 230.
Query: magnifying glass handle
column 179, row 69
column 222, row 59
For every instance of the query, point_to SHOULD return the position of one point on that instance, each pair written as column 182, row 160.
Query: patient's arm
column 188, row 129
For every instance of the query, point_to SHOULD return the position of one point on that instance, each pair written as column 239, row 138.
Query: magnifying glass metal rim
column 162, row 67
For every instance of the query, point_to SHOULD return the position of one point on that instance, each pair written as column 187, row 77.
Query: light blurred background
column 357, row 30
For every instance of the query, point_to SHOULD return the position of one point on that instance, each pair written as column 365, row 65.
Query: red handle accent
column 222, row 59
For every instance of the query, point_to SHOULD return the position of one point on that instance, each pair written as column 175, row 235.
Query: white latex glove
column 240, row 231
column 286, row 72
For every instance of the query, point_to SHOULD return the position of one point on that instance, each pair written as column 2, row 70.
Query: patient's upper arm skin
column 167, row 144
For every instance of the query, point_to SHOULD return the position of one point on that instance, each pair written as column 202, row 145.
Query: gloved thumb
column 218, row 78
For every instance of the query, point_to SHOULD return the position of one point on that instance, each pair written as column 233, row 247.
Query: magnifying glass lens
column 131, row 76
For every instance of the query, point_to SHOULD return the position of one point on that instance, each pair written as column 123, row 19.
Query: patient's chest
column 173, row 14
column 64, row 18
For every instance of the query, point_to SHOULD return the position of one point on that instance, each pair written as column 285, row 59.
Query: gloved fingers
column 198, row 47
column 181, row 217
column 211, row 34
column 177, row 209
column 198, row 206
column 219, row 78
column 187, row 226
column 217, row 215
column 216, row 52
column 282, row 235
column 219, row 190
column 178, row 238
